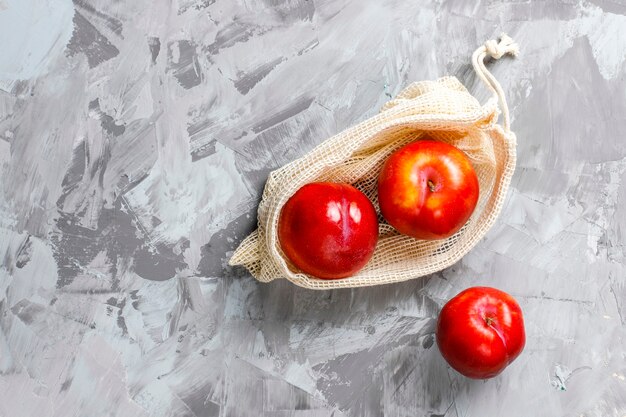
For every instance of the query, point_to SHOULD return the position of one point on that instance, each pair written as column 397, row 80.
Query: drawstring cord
column 495, row 50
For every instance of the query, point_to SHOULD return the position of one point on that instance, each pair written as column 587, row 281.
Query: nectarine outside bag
column 442, row 109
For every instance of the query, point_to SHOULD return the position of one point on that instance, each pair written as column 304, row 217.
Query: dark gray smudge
column 154, row 44
column 291, row 110
column 107, row 122
column 121, row 323
column 117, row 235
column 230, row 35
column 198, row 126
column 428, row 342
column 27, row 311
column 80, row 158
column 115, row 25
column 204, row 151
column 159, row 266
column 66, row 385
column 223, row 242
column 246, row 82
column 24, row 253
column 186, row 69
column 88, row 40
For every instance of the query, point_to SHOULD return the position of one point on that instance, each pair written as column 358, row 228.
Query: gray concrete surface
column 135, row 139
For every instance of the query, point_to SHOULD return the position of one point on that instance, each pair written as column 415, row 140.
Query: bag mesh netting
column 442, row 110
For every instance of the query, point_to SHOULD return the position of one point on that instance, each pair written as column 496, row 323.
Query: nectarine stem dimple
column 488, row 320
column 431, row 185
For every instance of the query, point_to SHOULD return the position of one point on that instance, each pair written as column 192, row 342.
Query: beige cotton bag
column 442, row 109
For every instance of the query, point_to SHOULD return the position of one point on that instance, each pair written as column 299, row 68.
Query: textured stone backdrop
column 135, row 139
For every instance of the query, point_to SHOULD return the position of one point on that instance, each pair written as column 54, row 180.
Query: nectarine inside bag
column 442, row 110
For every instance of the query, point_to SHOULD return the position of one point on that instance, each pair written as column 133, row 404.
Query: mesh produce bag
column 442, row 110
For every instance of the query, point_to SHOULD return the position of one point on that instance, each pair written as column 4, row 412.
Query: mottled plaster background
column 135, row 139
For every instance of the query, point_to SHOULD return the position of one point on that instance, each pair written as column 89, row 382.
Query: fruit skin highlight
column 480, row 332
column 328, row 230
column 428, row 190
